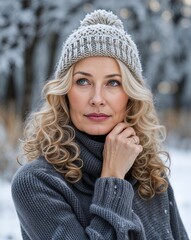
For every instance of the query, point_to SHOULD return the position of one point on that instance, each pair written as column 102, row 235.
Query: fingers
column 135, row 140
column 123, row 129
column 135, row 143
column 126, row 134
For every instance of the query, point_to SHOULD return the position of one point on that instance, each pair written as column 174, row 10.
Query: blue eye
column 82, row 82
column 113, row 83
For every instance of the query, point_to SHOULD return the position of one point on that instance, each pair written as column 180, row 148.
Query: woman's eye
column 82, row 82
column 113, row 83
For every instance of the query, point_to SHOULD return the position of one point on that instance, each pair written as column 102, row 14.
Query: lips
column 97, row 116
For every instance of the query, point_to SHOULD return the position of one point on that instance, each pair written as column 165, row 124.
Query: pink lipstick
column 97, row 116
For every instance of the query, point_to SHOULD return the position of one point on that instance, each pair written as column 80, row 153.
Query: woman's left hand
column 120, row 151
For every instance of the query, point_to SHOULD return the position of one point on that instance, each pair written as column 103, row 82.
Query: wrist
column 107, row 174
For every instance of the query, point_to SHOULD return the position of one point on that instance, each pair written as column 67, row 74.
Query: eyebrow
column 90, row 75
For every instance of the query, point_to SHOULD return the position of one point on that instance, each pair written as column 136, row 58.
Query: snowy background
column 32, row 34
column 180, row 179
column 31, row 37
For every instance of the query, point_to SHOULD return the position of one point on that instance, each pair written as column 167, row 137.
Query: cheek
column 76, row 100
column 72, row 95
column 121, row 103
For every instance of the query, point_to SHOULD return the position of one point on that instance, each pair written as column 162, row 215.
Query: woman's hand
column 120, row 151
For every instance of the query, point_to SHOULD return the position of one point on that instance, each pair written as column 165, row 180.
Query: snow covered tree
column 32, row 33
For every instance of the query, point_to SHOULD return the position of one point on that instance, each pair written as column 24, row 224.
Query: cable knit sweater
column 94, row 208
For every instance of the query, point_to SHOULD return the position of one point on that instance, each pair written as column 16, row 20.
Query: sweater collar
column 91, row 153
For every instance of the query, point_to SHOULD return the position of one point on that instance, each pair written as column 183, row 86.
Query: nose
column 97, row 98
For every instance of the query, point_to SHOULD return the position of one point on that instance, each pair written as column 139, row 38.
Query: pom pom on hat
column 102, row 17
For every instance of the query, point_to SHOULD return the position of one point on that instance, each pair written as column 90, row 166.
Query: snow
column 180, row 178
column 9, row 223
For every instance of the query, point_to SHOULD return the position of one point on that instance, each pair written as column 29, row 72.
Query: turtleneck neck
column 97, row 138
column 88, row 143
column 91, row 153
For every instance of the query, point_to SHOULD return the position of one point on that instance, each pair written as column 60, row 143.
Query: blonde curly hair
column 48, row 133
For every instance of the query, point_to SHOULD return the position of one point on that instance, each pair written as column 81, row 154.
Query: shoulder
column 36, row 176
column 36, row 167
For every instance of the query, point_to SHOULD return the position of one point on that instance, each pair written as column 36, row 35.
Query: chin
column 97, row 131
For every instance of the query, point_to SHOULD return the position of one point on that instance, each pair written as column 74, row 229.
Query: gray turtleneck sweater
column 94, row 208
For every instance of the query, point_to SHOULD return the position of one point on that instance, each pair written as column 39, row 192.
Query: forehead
column 93, row 64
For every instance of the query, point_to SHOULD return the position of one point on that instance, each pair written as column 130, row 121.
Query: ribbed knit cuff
column 114, row 194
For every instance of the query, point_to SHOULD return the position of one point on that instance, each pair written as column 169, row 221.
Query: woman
column 95, row 169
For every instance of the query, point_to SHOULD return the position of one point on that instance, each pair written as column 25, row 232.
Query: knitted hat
column 101, row 33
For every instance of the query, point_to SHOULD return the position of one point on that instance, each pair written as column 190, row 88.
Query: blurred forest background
column 31, row 37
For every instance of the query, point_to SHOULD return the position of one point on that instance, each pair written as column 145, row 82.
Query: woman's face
column 97, row 100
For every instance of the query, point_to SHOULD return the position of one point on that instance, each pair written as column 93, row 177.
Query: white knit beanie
column 101, row 33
